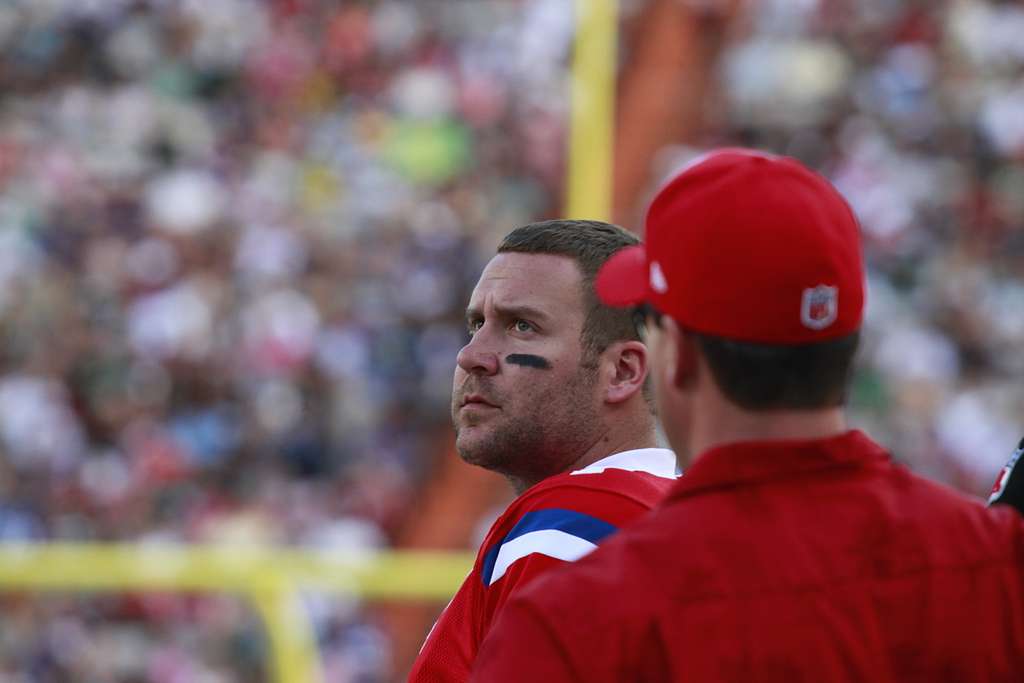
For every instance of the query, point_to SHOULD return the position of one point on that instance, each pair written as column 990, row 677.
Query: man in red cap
column 793, row 548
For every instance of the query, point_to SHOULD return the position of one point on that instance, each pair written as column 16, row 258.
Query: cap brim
column 623, row 279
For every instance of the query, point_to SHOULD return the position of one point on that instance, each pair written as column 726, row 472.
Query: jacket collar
column 751, row 462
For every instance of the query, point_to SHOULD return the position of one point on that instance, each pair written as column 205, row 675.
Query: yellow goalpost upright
column 591, row 126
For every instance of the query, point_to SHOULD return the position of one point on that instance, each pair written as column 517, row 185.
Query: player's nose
column 478, row 356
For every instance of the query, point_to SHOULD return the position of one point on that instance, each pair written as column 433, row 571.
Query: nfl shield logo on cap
column 819, row 307
column 658, row 282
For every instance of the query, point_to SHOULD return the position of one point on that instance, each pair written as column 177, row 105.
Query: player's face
column 524, row 400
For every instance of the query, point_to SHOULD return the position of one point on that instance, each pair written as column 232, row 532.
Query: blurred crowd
column 915, row 110
column 237, row 238
column 236, row 242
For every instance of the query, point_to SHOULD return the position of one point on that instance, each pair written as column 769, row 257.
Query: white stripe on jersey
column 550, row 542
column 660, row 462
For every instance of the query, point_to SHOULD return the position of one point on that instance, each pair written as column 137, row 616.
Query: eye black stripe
column 528, row 360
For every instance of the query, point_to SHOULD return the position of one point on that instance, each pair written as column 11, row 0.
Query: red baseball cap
column 748, row 246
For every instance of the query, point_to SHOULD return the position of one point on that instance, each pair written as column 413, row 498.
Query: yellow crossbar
column 270, row 577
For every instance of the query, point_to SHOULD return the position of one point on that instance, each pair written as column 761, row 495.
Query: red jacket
column 782, row 561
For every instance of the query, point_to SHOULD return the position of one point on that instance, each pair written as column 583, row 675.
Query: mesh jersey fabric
column 556, row 521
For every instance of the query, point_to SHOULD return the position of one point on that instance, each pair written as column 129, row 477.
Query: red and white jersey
column 558, row 520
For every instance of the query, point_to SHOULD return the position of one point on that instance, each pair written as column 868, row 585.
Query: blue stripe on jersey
column 569, row 521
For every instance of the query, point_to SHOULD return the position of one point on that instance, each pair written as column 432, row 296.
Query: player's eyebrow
column 520, row 311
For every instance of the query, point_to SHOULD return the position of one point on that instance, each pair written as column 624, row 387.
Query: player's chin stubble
column 496, row 447
column 518, row 446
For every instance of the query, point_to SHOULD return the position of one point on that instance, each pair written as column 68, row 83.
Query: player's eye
column 521, row 325
column 473, row 325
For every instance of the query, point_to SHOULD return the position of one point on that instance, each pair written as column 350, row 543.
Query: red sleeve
column 607, row 507
column 452, row 644
column 583, row 504
column 449, row 649
column 523, row 646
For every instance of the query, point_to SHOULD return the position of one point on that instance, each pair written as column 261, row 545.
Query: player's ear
column 626, row 365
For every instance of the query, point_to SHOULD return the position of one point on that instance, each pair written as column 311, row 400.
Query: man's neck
column 606, row 444
column 731, row 426
column 610, row 445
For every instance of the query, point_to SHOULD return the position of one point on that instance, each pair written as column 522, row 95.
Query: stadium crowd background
column 236, row 240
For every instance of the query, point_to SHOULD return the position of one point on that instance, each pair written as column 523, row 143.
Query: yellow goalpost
column 271, row 578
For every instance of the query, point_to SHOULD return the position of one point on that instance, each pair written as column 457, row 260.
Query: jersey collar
column 660, row 462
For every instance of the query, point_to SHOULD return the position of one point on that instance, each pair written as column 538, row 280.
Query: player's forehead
column 548, row 282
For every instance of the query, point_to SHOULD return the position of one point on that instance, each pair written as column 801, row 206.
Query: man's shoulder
column 566, row 516
column 965, row 525
column 615, row 489
column 636, row 570
column 944, row 506
column 590, row 508
column 606, row 585
column 643, row 475
column 642, row 487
